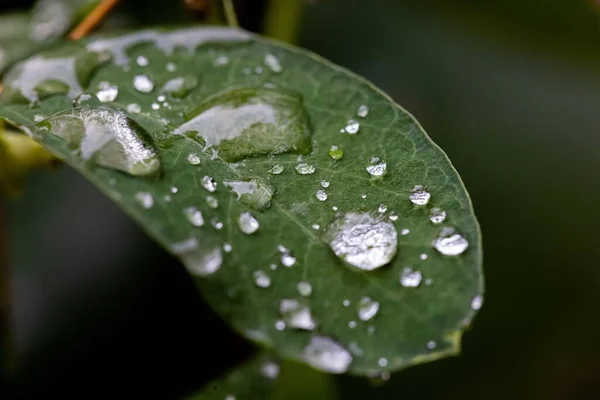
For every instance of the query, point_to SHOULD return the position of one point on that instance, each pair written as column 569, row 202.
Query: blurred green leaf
column 227, row 149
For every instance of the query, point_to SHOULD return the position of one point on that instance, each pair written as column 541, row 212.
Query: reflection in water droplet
column 201, row 261
column 212, row 202
column 253, row 192
column 327, row 355
column 145, row 199
column 450, row 243
column 305, row 169
column 362, row 240
column 477, row 302
column 209, row 184
column 296, row 315
column 194, row 216
column 261, row 279
column 382, row 208
column 419, row 196
column 276, row 169
column 363, row 111
column 193, row 159
column 270, row 370
column 288, row 260
column 336, row 152
column 367, row 308
column 352, row 127
column 304, row 288
column 107, row 92
column 134, row 108
column 437, row 216
column 410, row 277
column 247, row 223
column 106, row 137
column 272, row 62
column 376, row 168
column 251, row 121
column 143, row 83
column 321, row 195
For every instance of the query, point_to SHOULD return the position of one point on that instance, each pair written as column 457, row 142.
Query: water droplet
column 174, row 190
column 253, row 192
column 352, row 324
column 419, row 196
column 142, row 61
column 428, row 282
column 405, row 231
column 145, row 199
column 270, row 370
column 251, row 121
column 305, row 169
column 382, row 208
column 296, row 315
column 327, row 355
column 431, row 344
column 376, row 168
column 346, row 303
column 193, row 159
column 209, row 184
column 167, row 198
column 276, row 169
column 194, row 216
column 304, row 288
column 355, row 349
column 321, row 195
column 423, row 256
column 171, row 67
column 107, row 92
column 336, row 152
column 450, row 243
column 334, row 208
column 247, row 223
column 107, row 138
column 367, row 308
column 410, row 277
column 181, row 86
column 143, row 83
column 288, row 260
column 212, row 202
column 352, row 127
column 362, row 240
column 383, row 362
column 437, row 216
column 273, row 267
column 218, row 225
column 230, row 397
column 200, row 261
column 272, row 62
column 477, row 302
column 324, row 183
column 221, row 61
column 316, row 227
column 134, row 108
column 227, row 248
column 155, row 106
column 371, row 330
column 86, row 99
column 261, row 279
column 362, row 111
column 393, row 217
column 279, row 325
column 364, row 196
column 258, row 70
column 161, row 98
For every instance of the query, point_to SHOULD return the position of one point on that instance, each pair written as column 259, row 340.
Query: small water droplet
column 273, row 267
column 134, row 108
column 346, row 303
column 419, row 196
column 371, row 330
column 227, row 247
column 437, row 216
column 253, row 192
column 334, row 208
column 362, row 111
column 258, row 70
column 410, row 277
column 143, row 83
column 355, row 349
column 364, row 196
column 477, row 302
column 218, row 225
column 276, row 169
column 362, row 240
column 272, row 62
column 194, row 216
column 431, row 344
column 161, row 98
column 179, row 87
column 167, row 198
column 382, row 208
column 212, row 202
column 221, row 61
column 107, row 92
column 155, row 106
column 142, row 61
column 85, row 99
column 145, row 199
column 352, row 127
column 367, row 308
column 336, row 152
column 383, row 362
column 279, row 325
column 316, row 227
column 270, row 370
column 193, row 159
column 305, row 169
column 327, row 355
column 450, row 243
column 321, row 195
column 377, row 167
column 393, row 217
column 288, row 260
column 261, row 279
column 304, row 288
column 405, row 231
column 201, row 261
column 174, row 190
column 296, row 315
column 428, row 282
column 171, row 67
column 209, row 184
column 324, row 183
column 352, row 324
column 423, row 256
column 247, row 223
column 230, row 397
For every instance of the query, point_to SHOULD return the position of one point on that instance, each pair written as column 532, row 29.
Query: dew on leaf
column 212, row 202
column 261, row 279
column 221, row 61
column 155, row 106
column 143, row 83
column 324, row 183
column 193, row 159
column 209, row 184
column 279, row 325
column 272, row 62
column 404, row 231
column 218, row 225
column 363, row 241
column 431, row 344
column 107, row 138
column 437, row 216
column 288, row 260
column 477, row 302
column 423, row 256
column 296, row 315
column 382, row 208
column 304, row 288
column 144, row 199
column 276, row 169
column 382, row 362
column 336, row 152
column 450, row 243
column 193, row 216
column 321, row 195
column 107, row 92
column 134, row 108
column 362, row 111
column 376, row 167
column 253, row 192
column 419, row 196
column 352, row 127
column 367, row 308
column 270, row 370
column 327, row 355
column 171, row 67
column 142, row 61
column 305, row 169
column 352, row 324
column 181, row 86
column 174, row 190
column 316, row 227
column 200, row 261
column 247, row 223
column 410, row 278
column 86, row 99
column 346, row 303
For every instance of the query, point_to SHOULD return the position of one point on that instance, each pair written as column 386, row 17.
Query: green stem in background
column 282, row 20
column 230, row 13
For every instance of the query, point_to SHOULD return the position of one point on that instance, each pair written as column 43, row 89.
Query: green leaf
column 295, row 192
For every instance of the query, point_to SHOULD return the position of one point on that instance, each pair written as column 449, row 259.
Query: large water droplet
column 450, row 243
column 336, row 152
column 410, row 278
column 363, row 241
column 107, row 92
column 377, row 167
column 296, row 315
column 352, row 127
column 327, row 355
column 201, row 261
column 247, row 223
column 194, row 216
column 181, row 86
column 261, row 279
column 367, row 308
column 437, row 216
column 251, row 121
column 143, row 83
column 419, row 196
column 253, row 192
column 305, row 169
column 106, row 137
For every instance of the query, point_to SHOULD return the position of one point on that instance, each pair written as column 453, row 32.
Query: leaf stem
column 93, row 19
column 283, row 18
column 232, row 20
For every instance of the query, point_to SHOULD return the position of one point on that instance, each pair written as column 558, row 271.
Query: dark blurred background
column 510, row 89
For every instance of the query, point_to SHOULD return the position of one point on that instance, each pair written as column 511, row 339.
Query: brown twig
column 92, row 19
